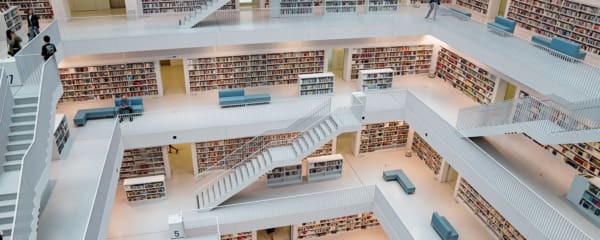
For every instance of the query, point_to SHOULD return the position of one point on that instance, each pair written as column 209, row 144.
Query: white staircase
column 207, row 8
column 232, row 181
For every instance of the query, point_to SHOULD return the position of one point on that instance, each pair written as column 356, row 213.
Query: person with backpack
column 433, row 6
column 48, row 49
column 14, row 43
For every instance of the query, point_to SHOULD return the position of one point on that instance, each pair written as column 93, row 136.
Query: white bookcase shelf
column 341, row 6
column 62, row 136
column 109, row 81
column 293, row 174
column 426, row 153
column 291, row 8
column 486, row 212
column 145, row 188
column 10, row 20
column 324, row 167
column 141, row 162
column 584, row 157
column 572, row 20
column 374, row 6
column 239, row 236
column 179, row 6
column 427, row 1
column 42, row 8
column 473, row 81
column 405, row 60
column 256, row 70
column 376, row 79
column 478, row 6
column 316, row 84
column 315, row 229
column 380, row 136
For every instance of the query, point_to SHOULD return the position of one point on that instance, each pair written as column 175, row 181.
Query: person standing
column 48, row 49
column 433, row 6
column 14, row 43
column 33, row 23
column 125, row 106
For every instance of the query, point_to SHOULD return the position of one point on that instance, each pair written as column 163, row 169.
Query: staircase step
column 25, row 108
column 251, row 170
column 8, row 196
column 245, row 172
column 296, row 147
column 18, row 145
column 330, row 124
column 20, row 135
column 256, row 165
column 6, row 230
column 7, row 217
column 22, row 126
column 261, row 161
column 23, row 117
column 268, row 156
column 227, row 183
column 233, row 180
column 8, row 205
column 308, row 139
column 303, row 144
column 325, row 128
column 335, row 121
column 26, row 100
column 217, row 190
column 15, row 155
column 221, row 186
column 313, row 135
column 12, row 166
column 320, row 133
column 238, row 176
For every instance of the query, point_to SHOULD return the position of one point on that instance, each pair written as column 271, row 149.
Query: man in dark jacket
column 433, row 6
column 33, row 23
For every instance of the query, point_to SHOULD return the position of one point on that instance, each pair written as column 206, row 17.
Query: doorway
column 345, row 143
column 336, row 61
column 173, row 77
column 180, row 159
column 510, row 92
column 92, row 8
column 279, row 233
column 449, row 175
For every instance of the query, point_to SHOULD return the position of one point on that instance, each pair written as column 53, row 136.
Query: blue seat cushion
column 443, row 227
column 237, row 92
column 581, row 55
column 509, row 24
column 83, row 115
column 406, row 184
column 135, row 108
column 391, row 174
column 468, row 14
column 541, row 40
column 499, row 26
column 258, row 98
column 232, row 100
column 565, row 46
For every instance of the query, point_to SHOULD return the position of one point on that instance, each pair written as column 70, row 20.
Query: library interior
column 300, row 119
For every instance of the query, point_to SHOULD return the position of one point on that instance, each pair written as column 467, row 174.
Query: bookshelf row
column 404, row 60
column 572, row 20
column 486, row 212
column 427, row 1
column 11, row 19
column 238, row 236
column 584, row 157
column 108, row 81
column 382, row 5
column 292, row 174
column 62, row 135
column 341, row 6
column 590, row 201
column 179, row 6
column 336, row 225
column 379, row 136
column 376, row 79
column 42, row 8
column 480, row 6
column 472, row 80
column 142, row 162
column 209, row 153
column 324, row 167
column 252, row 70
column 316, row 84
column 145, row 188
column 426, row 153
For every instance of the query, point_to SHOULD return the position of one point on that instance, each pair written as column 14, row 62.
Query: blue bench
column 564, row 46
column 237, row 97
column 137, row 105
column 443, row 227
column 401, row 178
column 502, row 26
column 463, row 15
column 83, row 115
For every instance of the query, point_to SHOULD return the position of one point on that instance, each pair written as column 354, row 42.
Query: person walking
column 33, row 23
column 14, row 43
column 433, row 6
column 48, row 49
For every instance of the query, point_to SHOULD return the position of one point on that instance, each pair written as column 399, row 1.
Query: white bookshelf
column 254, row 70
column 42, row 8
column 427, row 1
column 62, row 136
column 425, row 152
column 10, row 20
column 249, row 235
column 316, row 84
column 142, row 162
column 291, row 8
column 326, row 227
column 150, row 7
column 341, row 7
column 374, row 6
column 145, row 188
column 381, row 136
column 324, row 167
column 376, row 79
column 472, row 80
column 286, row 175
column 405, row 60
column 100, row 82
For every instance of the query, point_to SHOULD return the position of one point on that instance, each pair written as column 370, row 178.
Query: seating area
column 83, row 115
column 443, row 228
column 463, row 15
column 561, row 45
column 502, row 26
column 237, row 97
column 399, row 176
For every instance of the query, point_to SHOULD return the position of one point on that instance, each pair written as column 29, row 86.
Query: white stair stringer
column 230, row 182
column 210, row 7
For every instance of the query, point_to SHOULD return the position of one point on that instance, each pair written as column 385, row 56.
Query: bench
column 463, row 15
column 502, row 26
column 136, row 104
column 561, row 45
column 443, row 227
column 83, row 115
column 401, row 178
column 237, row 97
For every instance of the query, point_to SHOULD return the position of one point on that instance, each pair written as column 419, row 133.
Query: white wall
column 89, row 5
